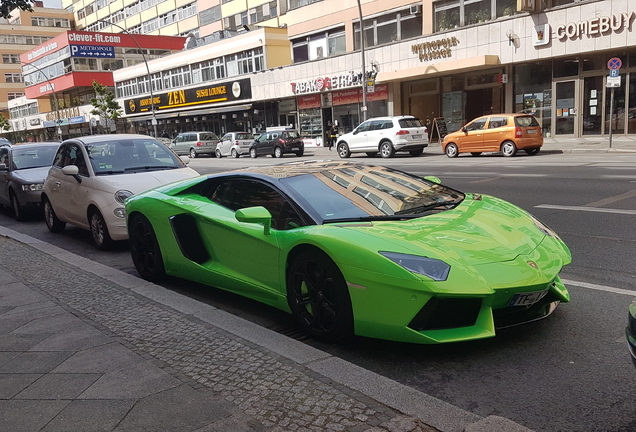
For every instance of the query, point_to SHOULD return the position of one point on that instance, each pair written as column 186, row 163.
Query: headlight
column 32, row 187
column 121, row 195
column 432, row 268
column 544, row 228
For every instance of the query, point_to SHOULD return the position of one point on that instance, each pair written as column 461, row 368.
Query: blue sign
column 614, row 72
column 614, row 63
column 74, row 120
column 92, row 51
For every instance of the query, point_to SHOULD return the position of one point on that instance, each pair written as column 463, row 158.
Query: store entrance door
column 566, row 102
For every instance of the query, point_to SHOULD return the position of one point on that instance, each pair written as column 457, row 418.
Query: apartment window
column 295, row 4
column 100, row 4
column 49, row 22
column 210, row 15
column 388, row 28
column 231, row 65
column 14, row 95
column 117, row 16
column 126, row 88
column 11, row 58
column 89, row 9
column 13, row 77
column 336, row 41
column 187, row 11
column 167, row 19
column 150, row 25
column 81, row 14
column 84, row 64
column 112, row 64
column 319, row 45
column 451, row 14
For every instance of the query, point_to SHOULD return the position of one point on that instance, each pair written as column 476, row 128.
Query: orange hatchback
column 496, row 132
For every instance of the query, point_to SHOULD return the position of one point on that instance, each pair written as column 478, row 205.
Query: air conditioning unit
column 414, row 9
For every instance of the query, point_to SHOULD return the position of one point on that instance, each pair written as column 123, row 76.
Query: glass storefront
column 533, row 92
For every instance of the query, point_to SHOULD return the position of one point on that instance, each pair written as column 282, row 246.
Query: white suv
column 386, row 135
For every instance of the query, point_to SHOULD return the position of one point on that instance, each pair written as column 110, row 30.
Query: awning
column 427, row 69
column 182, row 113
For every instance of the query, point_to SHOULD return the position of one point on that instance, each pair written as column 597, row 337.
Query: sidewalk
column 84, row 347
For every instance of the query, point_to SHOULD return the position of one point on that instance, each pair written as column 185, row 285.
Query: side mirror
column 433, row 179
column 255, row 215
column 464, row 129
column 355, row 131
column 71, row 170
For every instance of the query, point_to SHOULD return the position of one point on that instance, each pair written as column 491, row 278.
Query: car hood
column 142, row 181
column 480, row 230
column 31, row 175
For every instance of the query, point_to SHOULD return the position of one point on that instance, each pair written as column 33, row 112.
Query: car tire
column 386, row 150
column 372, row 154
column 532, row 151
column 299, row 153
column 508, row 148
column 235, row 154
column 416, row 153
column 99, row 230
column 18, row 211
column 278, row 152
column 52, row 222
column 193, row 153
column 343, row 150
column 451, row 150
column 218, row 154
column 318, row 297
column 253, row 154
column 144, row 249
column 475, row 153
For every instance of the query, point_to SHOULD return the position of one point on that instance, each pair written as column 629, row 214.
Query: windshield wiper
column 424, row 208
column 372, row 218
column 148, row 167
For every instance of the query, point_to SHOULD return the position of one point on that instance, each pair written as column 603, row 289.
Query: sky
column 53, row 3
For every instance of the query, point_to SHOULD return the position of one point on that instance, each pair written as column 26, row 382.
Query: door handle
column 57, row 183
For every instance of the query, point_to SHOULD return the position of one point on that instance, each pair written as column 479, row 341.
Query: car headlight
column 121, row 195
column 544, row 228
column 430, row 267
column 32, row 187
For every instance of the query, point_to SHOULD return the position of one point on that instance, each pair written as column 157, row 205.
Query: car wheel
column 218, row 154
column 278, row 152
column 17, row 209
column 475, row 153
column 318, row 297
column 417, row 152
column 372, row 154
column 235, row 154
column 387, row 150
column 343, row 150
column 99, row 230
column 451, row 150
column 193, row 153
column 253, row 154
column 52, row 222
column 533, row 151
column 508, row 148
column 144, row 249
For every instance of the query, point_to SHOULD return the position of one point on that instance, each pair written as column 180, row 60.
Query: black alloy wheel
column 144, row 249
column 319, row 298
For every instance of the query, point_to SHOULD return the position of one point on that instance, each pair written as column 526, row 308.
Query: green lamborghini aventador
column 354, row 249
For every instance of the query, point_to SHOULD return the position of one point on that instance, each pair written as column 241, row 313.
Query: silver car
column 234, row 144
column 194, row 144
column 23, row 169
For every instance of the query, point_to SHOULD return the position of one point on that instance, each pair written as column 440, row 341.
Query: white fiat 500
column 92, row 176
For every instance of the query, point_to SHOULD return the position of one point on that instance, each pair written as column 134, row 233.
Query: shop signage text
column 330, row 83
column 93, row 37
column 437, row 49
column 210, row 94
column 47, row 87
column 596, row 26
column 42, row 50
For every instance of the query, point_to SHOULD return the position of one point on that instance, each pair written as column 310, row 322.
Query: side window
column 238, row 194
column 363, row 127
column 4, row 155
column 76, row 157
column 477, row 124
column 497, row 122
column 375, row 125
column 60, row 156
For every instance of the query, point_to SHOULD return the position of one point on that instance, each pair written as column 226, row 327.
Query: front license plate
column 531, row 131
column 417, row 136
column 527, row 299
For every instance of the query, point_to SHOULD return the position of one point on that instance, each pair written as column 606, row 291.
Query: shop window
column 594, row 62
column 533, row 92
column 566, row 67
column 506, row 7
column 476, row 11
column 447, row 15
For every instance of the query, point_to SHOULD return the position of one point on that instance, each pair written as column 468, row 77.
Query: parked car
column 386, row 135
column 87, row 188
column 496, row 132
column 277, row 143
column 194, row 144
column 351, row 248
column 4, row 141
column 235, row 144
column 23, row 169
column 630, row 331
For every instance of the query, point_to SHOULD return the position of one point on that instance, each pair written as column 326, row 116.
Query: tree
column 4, row 124
column 105, row 105
column 6, row 6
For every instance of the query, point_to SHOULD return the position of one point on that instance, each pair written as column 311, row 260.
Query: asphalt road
column 570, row 372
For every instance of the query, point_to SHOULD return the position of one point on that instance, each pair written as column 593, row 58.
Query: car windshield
column 410, row 123
column 208, row 137
column 371, row 193
column 526, row 121
column 33, row 157
column 128, row 155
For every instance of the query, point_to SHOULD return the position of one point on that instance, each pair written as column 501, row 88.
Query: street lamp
column 364, row 74
column 57, row 105
column 143, row 54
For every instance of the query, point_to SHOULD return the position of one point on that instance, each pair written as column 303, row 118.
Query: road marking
column 610, row 200
column 599, row 287
column 588, row 209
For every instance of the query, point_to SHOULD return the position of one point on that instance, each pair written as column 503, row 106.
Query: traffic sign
column 613, row 81
column 614, row 63
column 614, row 73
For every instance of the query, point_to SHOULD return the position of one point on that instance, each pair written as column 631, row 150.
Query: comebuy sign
column 596, row 26
column 317, row 85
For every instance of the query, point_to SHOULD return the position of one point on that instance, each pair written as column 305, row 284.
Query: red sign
column 345, row 97
column 312, row 101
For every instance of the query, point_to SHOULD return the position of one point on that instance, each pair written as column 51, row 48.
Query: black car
column 23, row 169
column 277, row 143
column 631, row 331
